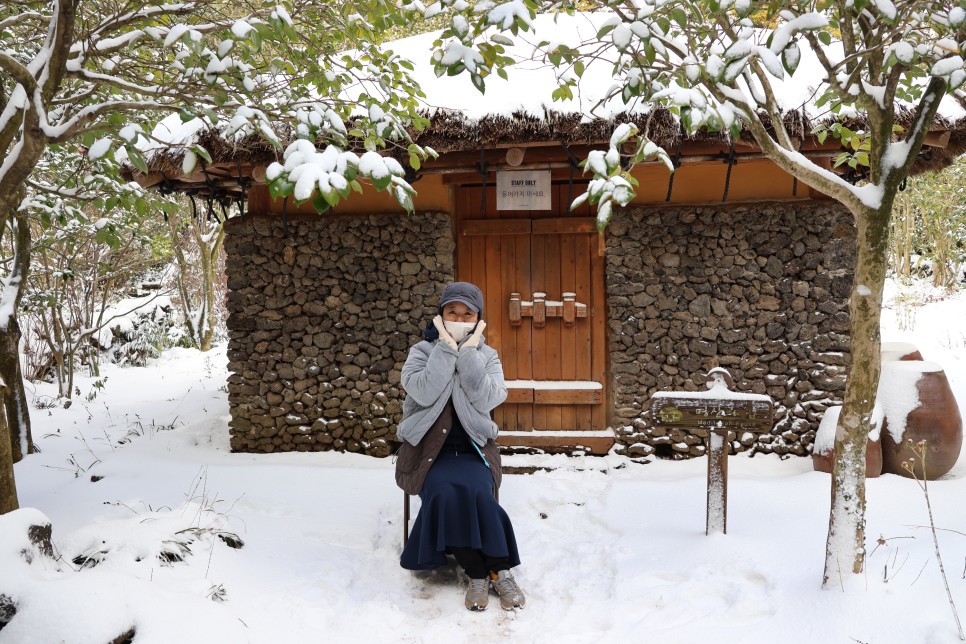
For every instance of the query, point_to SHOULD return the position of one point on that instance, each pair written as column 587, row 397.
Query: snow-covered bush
column 142, row 334
column 928, row 237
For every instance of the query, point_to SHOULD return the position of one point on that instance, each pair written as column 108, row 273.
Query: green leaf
column 136, row 158
column 579, row 201
column 201, row 152
column 320, row 203
column 603, row 31
column 825, row 37
column 281, row 187
column 381, row 183
column 407, row 203
column 579, row 68
column 680, row 17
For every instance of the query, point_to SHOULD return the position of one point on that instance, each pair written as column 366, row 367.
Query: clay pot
column 822, row 461
column 899, row 351
column 873, row 460
column 936, row 420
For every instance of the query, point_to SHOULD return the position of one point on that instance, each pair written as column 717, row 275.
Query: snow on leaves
column 612, row 183
column 105, row 79
column 725, row 65
column 329, row 176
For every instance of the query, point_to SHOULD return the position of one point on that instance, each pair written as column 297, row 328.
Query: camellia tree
column 97, row 74
column 721, row 65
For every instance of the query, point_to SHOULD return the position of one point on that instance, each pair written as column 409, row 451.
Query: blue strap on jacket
column 479, row 451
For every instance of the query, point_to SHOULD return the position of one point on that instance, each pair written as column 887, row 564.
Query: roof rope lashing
column 731, row 163
column 243, row 183
column 165, row 188
column 675, row 162
column 194, row 206
column 573, row 165
column 212, row 188
column 801, row 142
column 284, row 215
column 483, row 170
column 902, row 186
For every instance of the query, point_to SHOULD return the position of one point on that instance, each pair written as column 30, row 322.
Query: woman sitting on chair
column 449, row 456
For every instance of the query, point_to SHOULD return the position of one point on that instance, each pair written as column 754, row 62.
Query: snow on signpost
column 718, row 410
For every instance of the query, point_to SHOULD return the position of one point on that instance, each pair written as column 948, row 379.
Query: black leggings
column 476, row 564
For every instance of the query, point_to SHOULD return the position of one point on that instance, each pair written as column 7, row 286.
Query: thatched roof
column 516, row 111
column 452, row 132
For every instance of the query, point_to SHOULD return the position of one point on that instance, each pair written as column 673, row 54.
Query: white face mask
column 459, row 330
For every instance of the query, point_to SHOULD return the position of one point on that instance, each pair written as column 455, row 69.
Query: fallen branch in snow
column 919, row 449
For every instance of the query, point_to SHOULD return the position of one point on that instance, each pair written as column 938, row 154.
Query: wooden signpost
column 718, row 410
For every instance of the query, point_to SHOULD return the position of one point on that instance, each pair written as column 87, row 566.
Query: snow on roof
column 531, row 82
column 521, row 108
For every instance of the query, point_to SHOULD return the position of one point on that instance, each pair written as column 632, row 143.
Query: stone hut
column 729, row 262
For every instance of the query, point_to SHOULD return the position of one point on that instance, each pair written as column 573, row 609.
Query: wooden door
column 555, row 367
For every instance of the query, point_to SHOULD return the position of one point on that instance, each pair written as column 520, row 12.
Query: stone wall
column 322, row 312
column 761, row 289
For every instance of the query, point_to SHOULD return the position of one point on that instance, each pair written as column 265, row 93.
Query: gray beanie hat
column 468, row 294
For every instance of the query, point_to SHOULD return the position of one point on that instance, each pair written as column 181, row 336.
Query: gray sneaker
column 477, row 594
column 510, row 594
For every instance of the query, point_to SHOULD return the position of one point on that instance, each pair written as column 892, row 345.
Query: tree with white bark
column 724, row 65
column 98, row 74
column 196, row 242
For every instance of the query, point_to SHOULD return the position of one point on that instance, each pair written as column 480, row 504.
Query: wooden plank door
column 555, row 367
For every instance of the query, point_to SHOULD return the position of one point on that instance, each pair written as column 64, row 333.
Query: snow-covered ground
column 612, row 551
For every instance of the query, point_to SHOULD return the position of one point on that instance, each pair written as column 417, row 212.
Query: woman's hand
column 443, row 333
column 474, row 340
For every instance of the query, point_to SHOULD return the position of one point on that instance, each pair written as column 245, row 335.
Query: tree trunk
column 15, row 398
column 186, row 312
column 206, row 318
column 201, row 328
column 845, row 548
column 8, row 486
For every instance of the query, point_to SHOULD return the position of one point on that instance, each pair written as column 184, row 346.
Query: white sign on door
column 523, row 190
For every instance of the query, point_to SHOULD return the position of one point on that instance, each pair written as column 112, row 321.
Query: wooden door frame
column 544, row 222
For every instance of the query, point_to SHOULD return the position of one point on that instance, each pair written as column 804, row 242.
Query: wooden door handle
column 540, row 309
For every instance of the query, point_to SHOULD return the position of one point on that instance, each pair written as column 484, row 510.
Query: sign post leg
column 717, row 520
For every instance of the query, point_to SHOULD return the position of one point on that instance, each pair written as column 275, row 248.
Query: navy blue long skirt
column 458, row 511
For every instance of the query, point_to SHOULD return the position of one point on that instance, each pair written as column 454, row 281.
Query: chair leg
column 405, row 519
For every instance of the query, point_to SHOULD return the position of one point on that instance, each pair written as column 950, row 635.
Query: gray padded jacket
column 434, row 372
